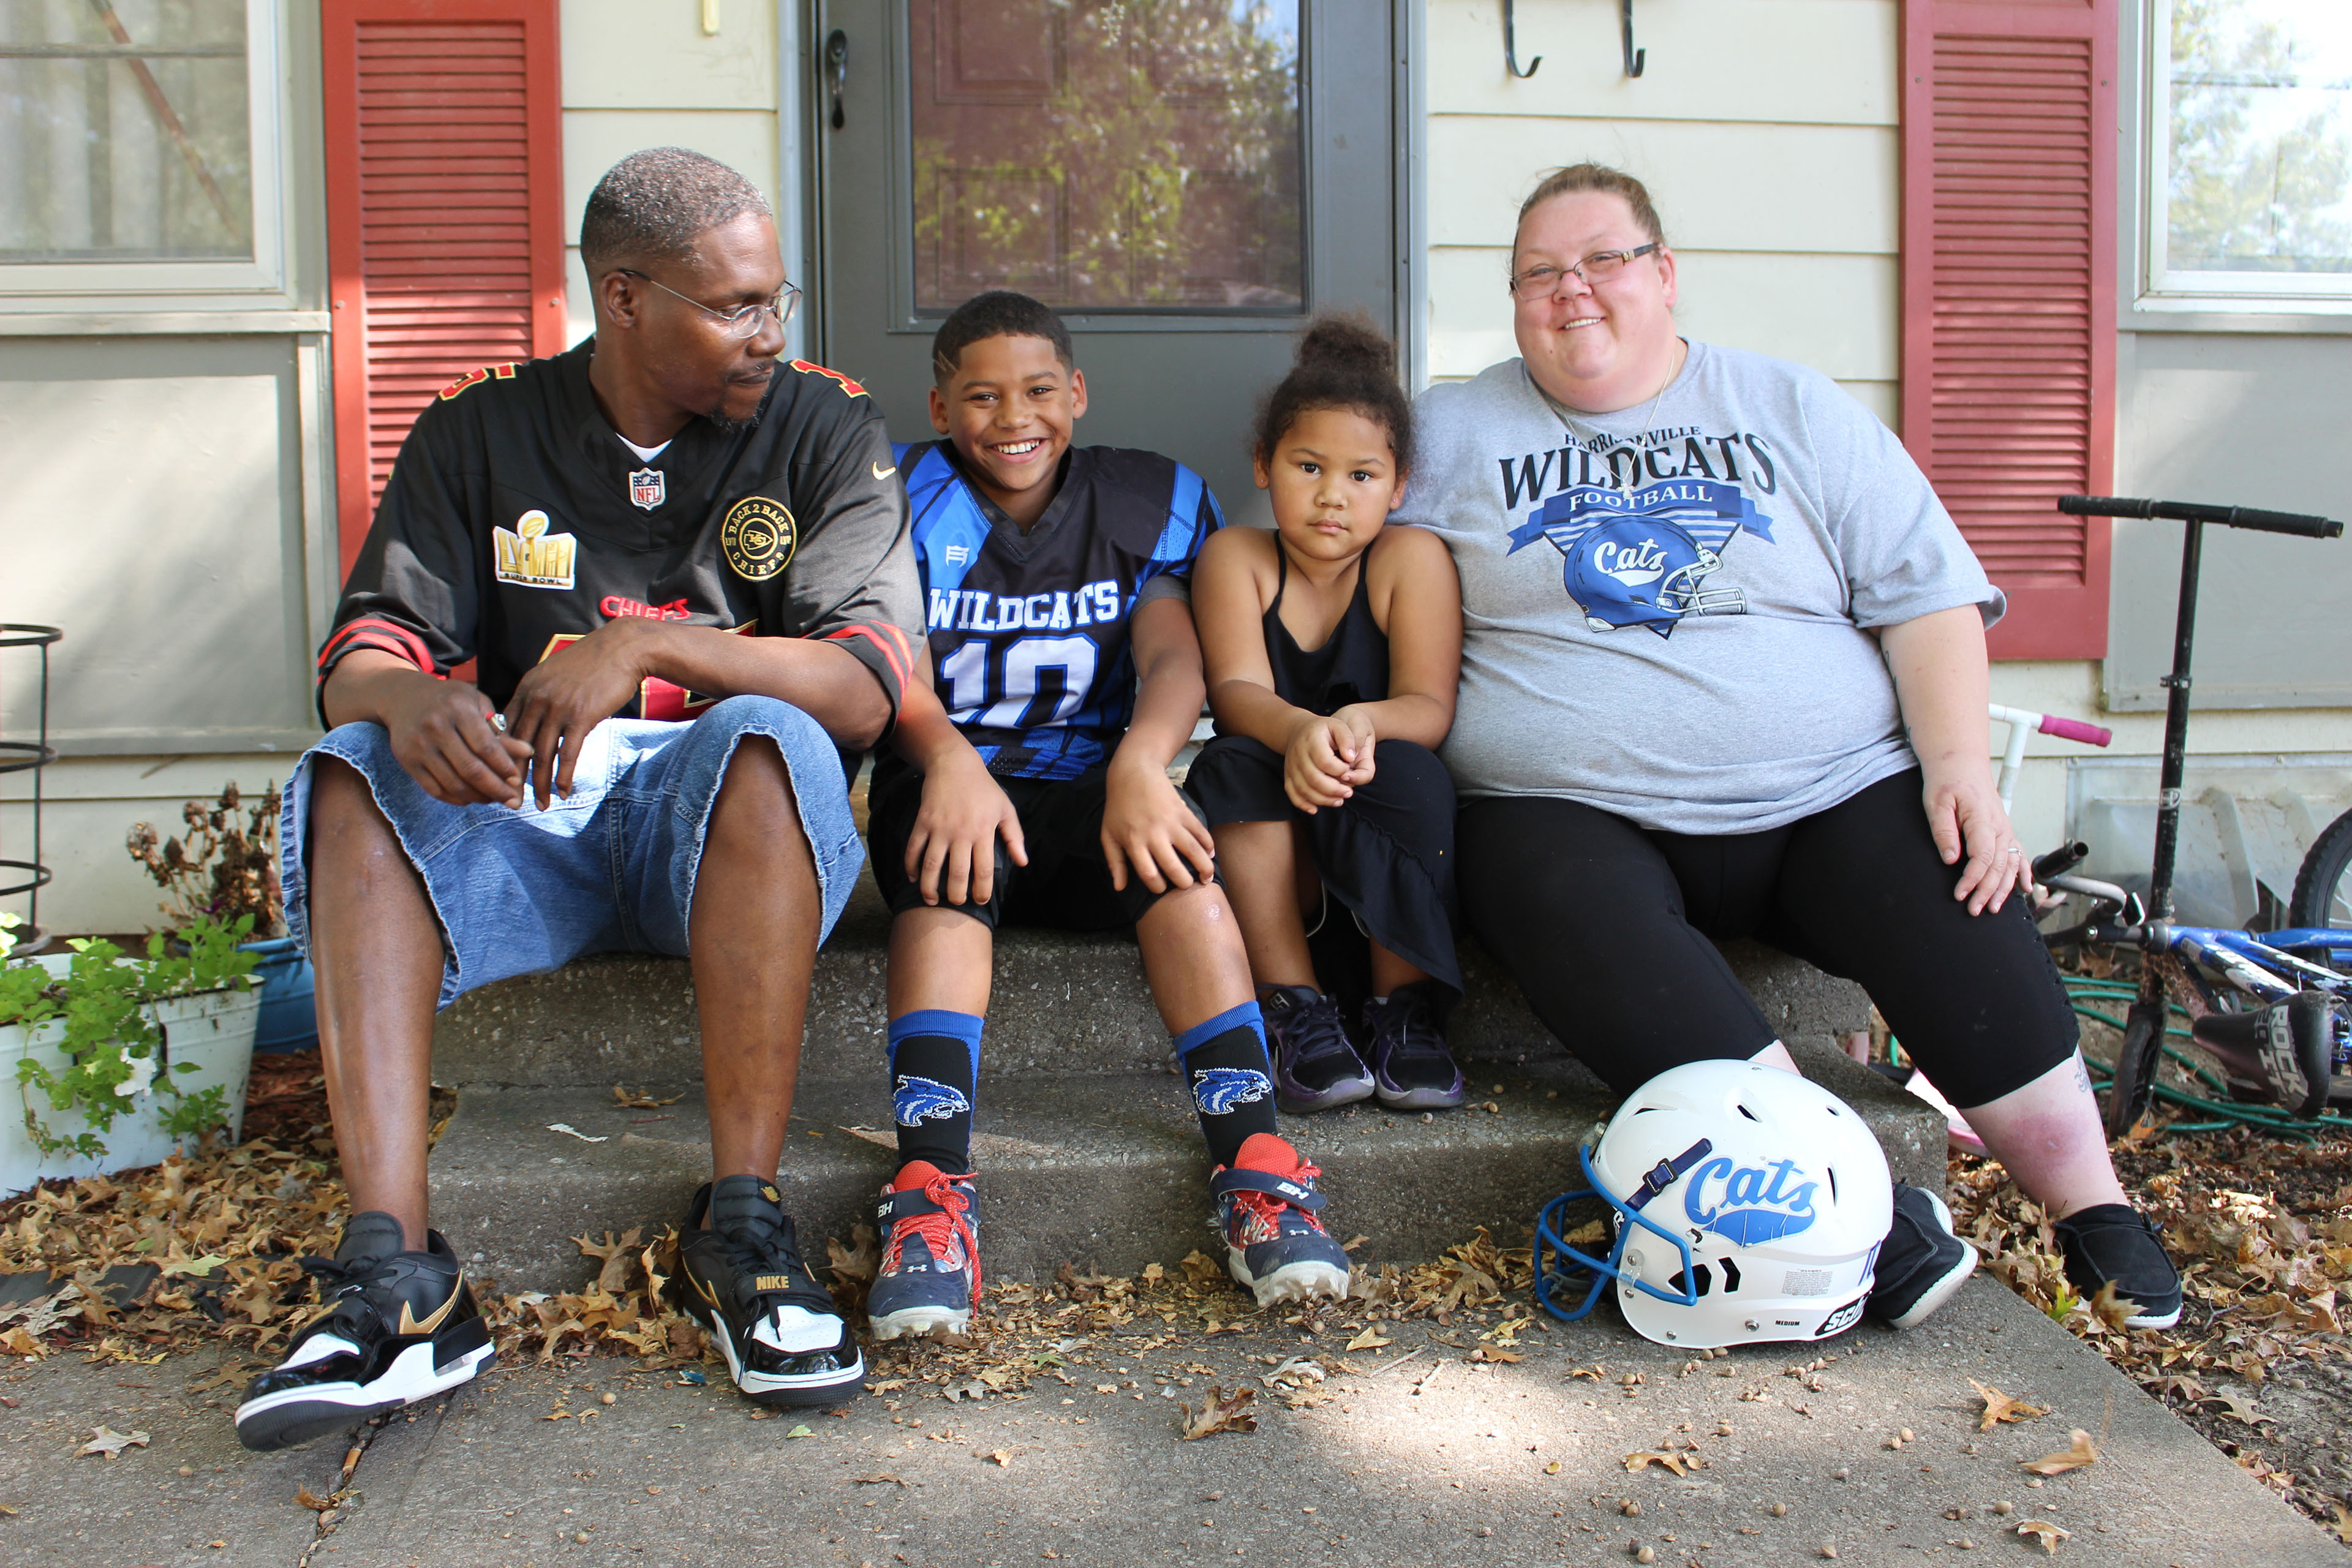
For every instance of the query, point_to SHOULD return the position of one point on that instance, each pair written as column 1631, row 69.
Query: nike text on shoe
column 1315, row 1064
column 931, row 1260
column 1412, row 1069
column 2114, row 1244
column 399, row 1327
column 743, row 1280
column 1921, row 1263
column 1267, row 1209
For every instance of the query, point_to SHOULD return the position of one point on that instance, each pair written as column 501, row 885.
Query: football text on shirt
column 969, row 610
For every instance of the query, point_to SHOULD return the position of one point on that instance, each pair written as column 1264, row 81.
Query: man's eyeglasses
column 1543, row 279
column 740, row 322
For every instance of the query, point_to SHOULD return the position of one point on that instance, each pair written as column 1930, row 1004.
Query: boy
column 1055, row 578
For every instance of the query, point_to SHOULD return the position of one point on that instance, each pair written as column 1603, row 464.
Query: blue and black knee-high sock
column 934, row 1079
column 1231, row 1080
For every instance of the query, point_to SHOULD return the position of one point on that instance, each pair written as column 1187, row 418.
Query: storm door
column 1185, row 181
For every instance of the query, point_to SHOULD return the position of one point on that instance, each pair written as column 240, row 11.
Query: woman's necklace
column 1567, row 418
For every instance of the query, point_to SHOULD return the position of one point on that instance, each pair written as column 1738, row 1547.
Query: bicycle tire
column 2134, row 1087
column 2323, row 887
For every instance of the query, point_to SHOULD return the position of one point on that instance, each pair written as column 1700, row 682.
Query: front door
column 1185, row 181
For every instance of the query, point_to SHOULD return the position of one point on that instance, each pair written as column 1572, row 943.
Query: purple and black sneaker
column 1315, row 1064
column 1412, row 1069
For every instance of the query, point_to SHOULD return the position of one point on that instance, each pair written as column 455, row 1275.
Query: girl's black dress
column 1388, row 853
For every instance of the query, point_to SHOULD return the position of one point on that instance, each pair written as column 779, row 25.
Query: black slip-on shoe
column 2116, row 1244
column 1922, row 1263
column 399, row 1327
column 743, row 1279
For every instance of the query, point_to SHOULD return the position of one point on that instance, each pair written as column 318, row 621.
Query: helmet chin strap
column 1666, row 1173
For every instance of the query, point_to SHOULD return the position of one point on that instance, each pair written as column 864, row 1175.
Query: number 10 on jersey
column 970, row 688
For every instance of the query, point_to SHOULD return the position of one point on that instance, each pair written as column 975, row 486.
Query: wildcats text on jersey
column 953, row 609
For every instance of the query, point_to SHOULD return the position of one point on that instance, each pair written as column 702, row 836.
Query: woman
column 1721, row 646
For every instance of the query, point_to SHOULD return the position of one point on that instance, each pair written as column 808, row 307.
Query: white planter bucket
column 213, row 1030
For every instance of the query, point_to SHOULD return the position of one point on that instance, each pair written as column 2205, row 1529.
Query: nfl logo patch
column 648, row 488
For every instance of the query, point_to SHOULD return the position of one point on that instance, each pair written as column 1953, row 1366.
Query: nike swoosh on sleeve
column 882, row 473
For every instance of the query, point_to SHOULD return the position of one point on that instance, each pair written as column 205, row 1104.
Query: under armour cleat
column 930, row 1261
column 1921, row 1263
column 1412, row 1069
column 743, row 1279
column 399, row 1327
column 1315, row 1064
column 1274, row 1245
column 2114, row 1244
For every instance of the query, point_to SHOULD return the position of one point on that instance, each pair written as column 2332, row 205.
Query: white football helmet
column 1747, row 1204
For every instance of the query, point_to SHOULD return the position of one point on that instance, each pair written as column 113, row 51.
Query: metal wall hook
column 1511, row 46
column 837, row 71
column 1634, row 58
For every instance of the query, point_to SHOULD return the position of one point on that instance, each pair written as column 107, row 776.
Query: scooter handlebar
column 2075, row 729
column 2293, row 522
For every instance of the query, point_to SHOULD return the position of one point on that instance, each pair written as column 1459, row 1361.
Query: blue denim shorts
column 611, row 870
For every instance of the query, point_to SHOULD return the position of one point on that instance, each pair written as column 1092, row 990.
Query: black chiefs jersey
column 1029, row 632
column 516, row 522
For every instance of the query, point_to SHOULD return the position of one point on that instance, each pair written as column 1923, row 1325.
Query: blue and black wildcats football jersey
column 1029, row 632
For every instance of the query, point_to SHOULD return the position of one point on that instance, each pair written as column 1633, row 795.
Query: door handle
column 836, row 69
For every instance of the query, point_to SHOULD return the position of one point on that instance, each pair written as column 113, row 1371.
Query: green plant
column 101, row 1003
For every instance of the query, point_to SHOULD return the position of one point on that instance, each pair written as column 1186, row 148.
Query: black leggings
column 1606, row 927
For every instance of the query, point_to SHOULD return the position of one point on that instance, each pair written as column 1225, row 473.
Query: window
column 2249, row 160
column 142, row 138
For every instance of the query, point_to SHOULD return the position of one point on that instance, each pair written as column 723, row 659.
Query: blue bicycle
column 2273, row 1010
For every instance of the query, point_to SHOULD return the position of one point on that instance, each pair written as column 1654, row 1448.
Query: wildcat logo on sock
column 1217, row 1090
column 921, row 1098
column 1750, row 1205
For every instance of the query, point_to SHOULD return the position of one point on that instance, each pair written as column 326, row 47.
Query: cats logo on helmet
column 1646, row 572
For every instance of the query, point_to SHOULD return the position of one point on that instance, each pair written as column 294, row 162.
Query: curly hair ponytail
column 1344, row 362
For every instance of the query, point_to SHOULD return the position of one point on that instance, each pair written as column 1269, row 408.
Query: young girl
column 1332, row 647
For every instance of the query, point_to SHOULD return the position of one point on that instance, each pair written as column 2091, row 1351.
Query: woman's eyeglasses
column 1543, row 279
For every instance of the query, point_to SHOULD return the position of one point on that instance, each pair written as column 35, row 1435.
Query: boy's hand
column 1149, row 831
column 952, row 850
column 1328, row 759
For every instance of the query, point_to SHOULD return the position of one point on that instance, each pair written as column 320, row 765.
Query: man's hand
column 1149, row 831
column 1328, row 760
column 572, row 690
column 1965, row 815
column 441, row 730
column 952, row 850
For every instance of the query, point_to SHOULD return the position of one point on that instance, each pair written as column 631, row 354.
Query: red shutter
column 2008, row 306
column 444, row 213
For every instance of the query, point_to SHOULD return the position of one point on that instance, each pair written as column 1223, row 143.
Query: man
column 682, row 570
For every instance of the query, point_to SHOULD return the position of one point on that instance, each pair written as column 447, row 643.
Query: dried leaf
column 106, row 1440
column 2000, row 1406
column 1001, row 1457
column 2113, row 1310
column 800, row 1432
column 639, row 1100
column 2043, row 1531
column 879, row 1479
column 1222, row 1413
column 1202, row 1270
column 1370, row 1340
column 2081, row 1452
column 1643, row 1459
column 17, row 1342
column 305, row 1497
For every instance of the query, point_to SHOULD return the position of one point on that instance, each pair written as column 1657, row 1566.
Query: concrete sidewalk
column 1423, row 1455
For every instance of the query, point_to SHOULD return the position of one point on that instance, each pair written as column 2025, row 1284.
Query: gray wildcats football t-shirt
column 1664, row 609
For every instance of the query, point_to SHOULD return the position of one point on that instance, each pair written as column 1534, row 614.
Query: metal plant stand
column 30, row 756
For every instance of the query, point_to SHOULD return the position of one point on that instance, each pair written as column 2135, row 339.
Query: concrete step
column 1100, row 1168
column 1063, row 1003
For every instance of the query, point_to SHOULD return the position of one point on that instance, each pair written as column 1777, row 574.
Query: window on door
column 1135, row 156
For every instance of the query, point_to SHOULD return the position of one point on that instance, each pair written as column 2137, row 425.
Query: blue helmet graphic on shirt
column 1637, row 558
column 1218, row 1089
column 918, row 1098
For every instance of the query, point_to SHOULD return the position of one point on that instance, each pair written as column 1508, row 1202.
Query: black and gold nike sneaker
column 399, row 1327
column 743, row 1278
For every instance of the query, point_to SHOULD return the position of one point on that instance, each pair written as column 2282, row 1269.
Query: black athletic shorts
column 1067, row 884
column 1607, row 928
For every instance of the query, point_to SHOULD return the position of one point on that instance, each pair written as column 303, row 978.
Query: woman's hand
column 1328, row 760
column 951, row 853
column 1964, row 814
